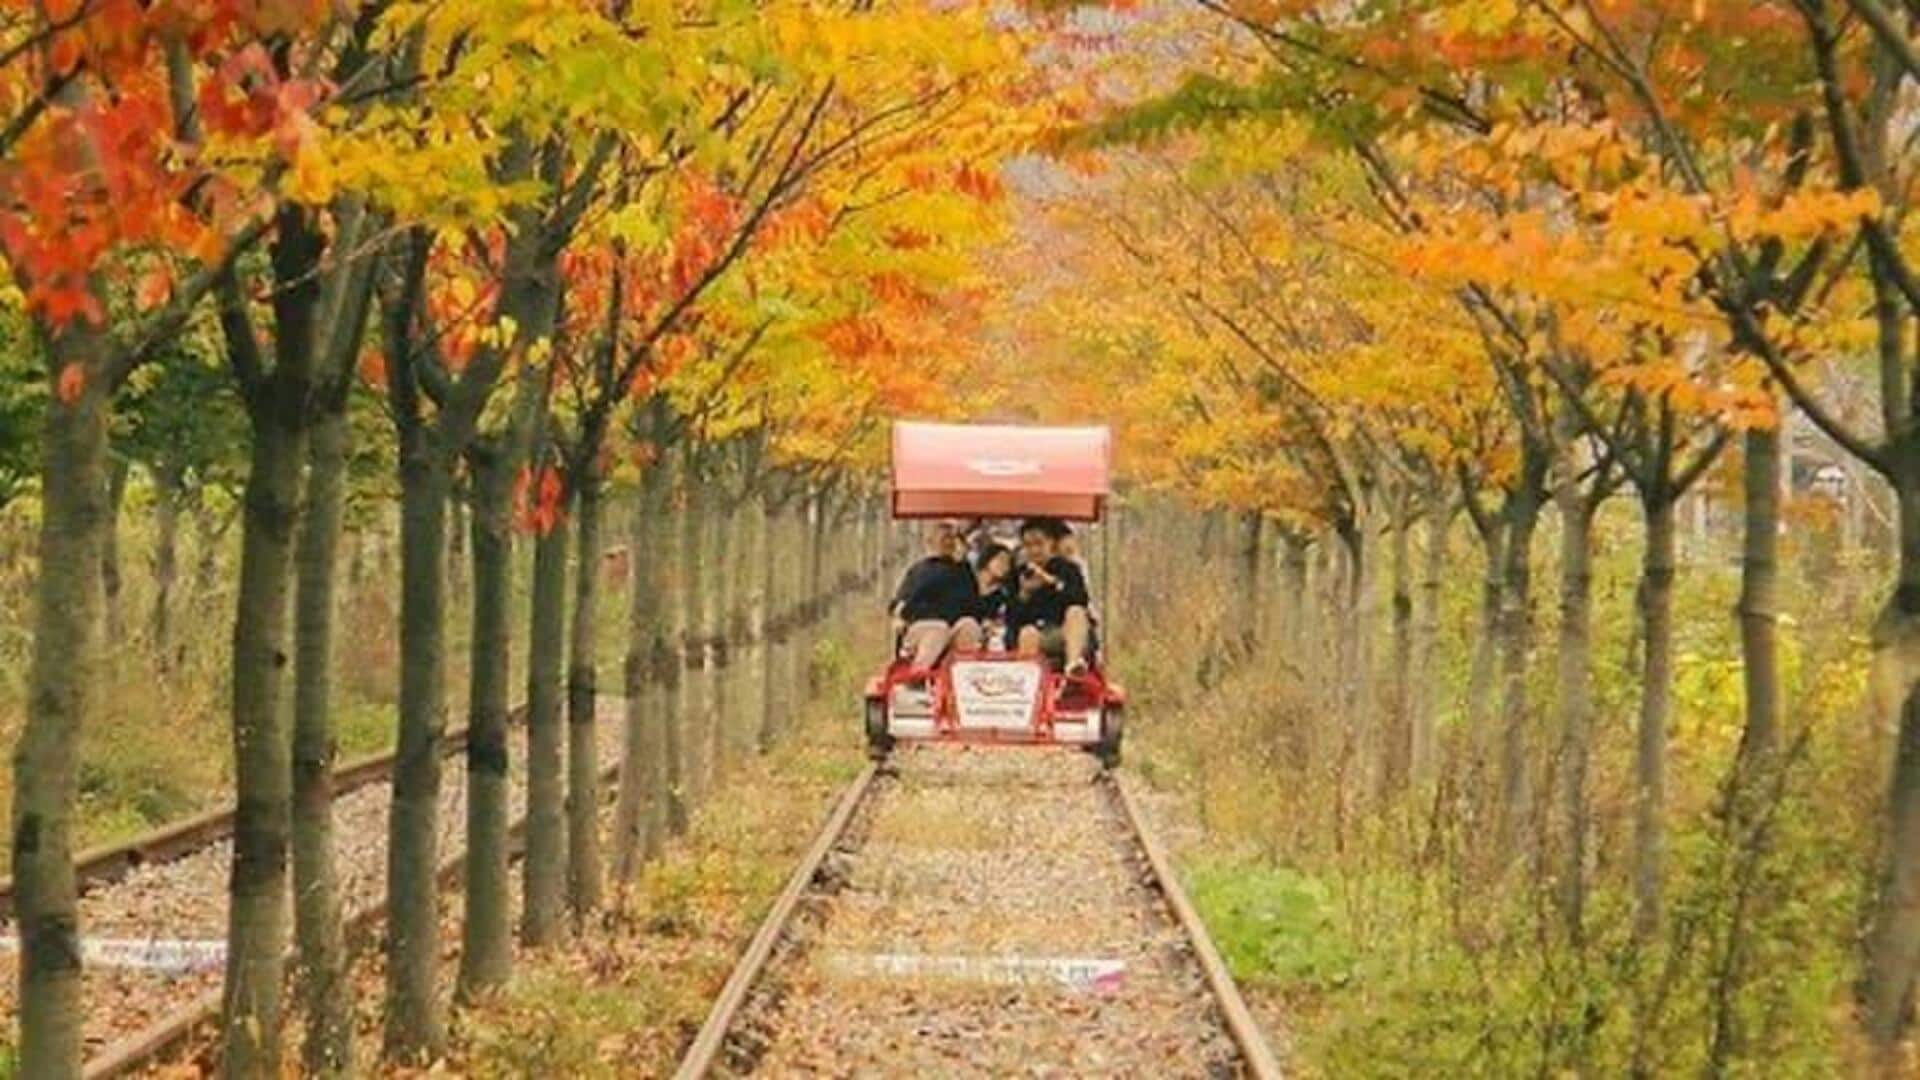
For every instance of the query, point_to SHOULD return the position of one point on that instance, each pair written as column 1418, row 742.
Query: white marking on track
column 167, row 956
column 1083, row 974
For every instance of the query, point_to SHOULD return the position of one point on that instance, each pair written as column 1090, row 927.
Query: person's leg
column 1076, row 630
column 925, row 641
column 1029, row 643
column 1053, row 646
column 967, row 636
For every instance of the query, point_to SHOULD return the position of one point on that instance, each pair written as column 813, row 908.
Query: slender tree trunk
column 1356, row 722
column 750, row 669
column 1516, row 646
column 673, row 558
column 1400, row 740
column 728, row 624
column 1493, row 546
column 413, row 1020
column 1575, row 694
column 168, row 495
column 584, row 873
column 702, row 567
column 1892, row 949
column 65, row 686
column 325, row 991
column 111, row 579
column 813, row 590
column 640, row 816
column 459, row 510
column 772, row 620
column 544, row 866
column 1426, row 637
column 486, row 957
column 695, row 723
column 1656, row 614
column 1760, row 599
column 280, row 409
column 1295, row 635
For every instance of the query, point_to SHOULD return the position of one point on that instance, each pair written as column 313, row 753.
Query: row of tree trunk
column 1310, row 595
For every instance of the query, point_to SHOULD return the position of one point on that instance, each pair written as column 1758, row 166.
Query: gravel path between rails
column 930, row 942
column 186, row 899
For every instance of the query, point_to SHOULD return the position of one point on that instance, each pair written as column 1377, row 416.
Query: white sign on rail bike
column 995, row 695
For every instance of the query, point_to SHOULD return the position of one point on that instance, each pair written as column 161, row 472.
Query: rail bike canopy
column 1000, row 470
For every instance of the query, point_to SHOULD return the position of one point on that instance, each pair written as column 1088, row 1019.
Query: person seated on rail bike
column 935, row 603
column 1048, row 613
column 993, row 569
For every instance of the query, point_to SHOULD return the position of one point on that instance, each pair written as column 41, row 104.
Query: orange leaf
column 73, row 380
column 155, row 288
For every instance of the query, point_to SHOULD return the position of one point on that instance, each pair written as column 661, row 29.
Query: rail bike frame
column 994, row 698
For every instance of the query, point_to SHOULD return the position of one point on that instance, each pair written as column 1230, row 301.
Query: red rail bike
column 984, row 474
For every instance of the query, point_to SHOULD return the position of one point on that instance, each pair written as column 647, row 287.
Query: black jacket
column 1048, row 606
column 937, row 588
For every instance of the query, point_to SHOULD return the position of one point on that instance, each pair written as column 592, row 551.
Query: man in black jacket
column 1048, row 612
column 935, row 603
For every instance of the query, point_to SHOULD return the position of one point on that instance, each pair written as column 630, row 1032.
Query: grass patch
column 1273, row 925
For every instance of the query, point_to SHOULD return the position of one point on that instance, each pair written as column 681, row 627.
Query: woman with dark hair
column 994, row 573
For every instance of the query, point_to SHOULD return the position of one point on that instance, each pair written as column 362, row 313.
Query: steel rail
column 1257, row 1055
column 704, row 1053
column 153, row 1044
column 107, row 863
column 705, row 1050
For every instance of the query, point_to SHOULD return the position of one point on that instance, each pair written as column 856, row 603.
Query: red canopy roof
column 988, row 470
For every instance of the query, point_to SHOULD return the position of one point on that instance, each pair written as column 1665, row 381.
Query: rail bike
column 993, row 695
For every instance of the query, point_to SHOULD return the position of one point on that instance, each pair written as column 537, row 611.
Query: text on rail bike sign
column 995, row 694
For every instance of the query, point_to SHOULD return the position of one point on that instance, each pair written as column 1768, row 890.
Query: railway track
column 107, row 863
column 982, row 913
column 154, row 909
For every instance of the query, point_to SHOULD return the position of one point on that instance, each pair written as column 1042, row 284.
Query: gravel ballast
column 989, row 913
column 185, row 900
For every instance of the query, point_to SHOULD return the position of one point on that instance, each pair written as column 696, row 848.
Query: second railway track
column 154, row 910
column 981, row 912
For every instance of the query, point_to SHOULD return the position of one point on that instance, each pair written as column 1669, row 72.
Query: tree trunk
column 1516, row 645
column 674, row 558
column 640, row 816
column 413, row 1022
column 486, row 957
column 736, row 736
column 1296, row 632
column 280, row 412
column 111, row 579
column 750, row 668
column 584, row 874
column 773, row 621
column 1656, row 613
column 1575, row 694
column 812, row 590
column 697, row 722
column 1400, row 739
column 1493, row 545
column 1759, row 599
column 325, row 992
column 168, row 494
column 1426, row 637
column 544, row 867
column 458, row 525
column 65, row 686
